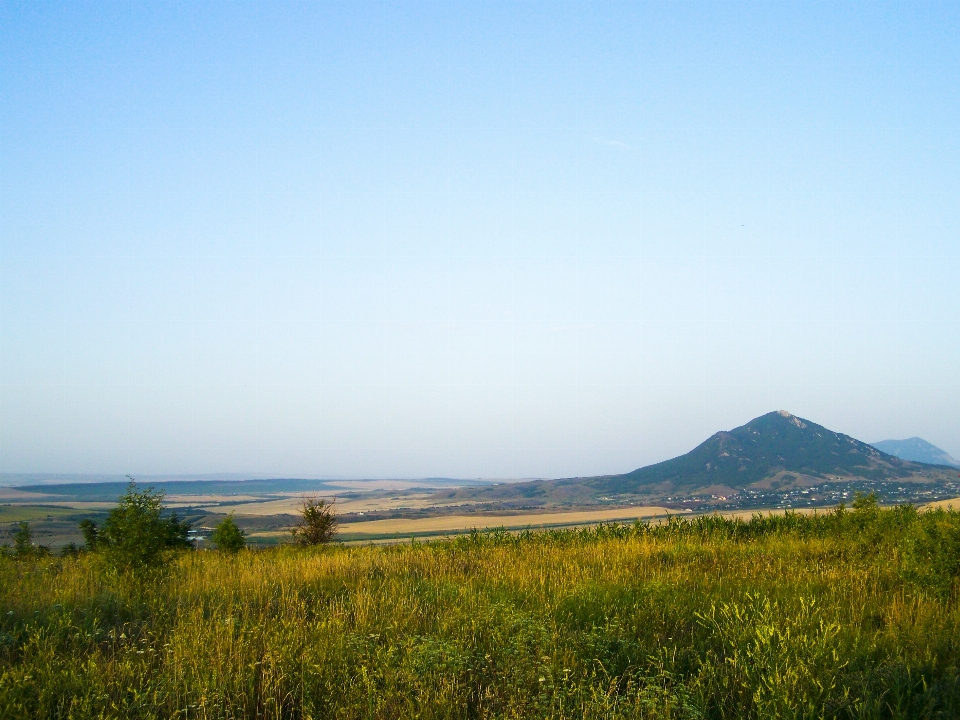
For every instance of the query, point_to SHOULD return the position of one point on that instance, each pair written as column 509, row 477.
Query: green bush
column 228, row 536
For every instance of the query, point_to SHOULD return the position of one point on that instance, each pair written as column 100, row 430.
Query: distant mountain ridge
column 917, row 450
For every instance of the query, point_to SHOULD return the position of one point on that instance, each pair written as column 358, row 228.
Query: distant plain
column 376, row 512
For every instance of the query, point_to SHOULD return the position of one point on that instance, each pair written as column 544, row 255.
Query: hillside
column 917, row 450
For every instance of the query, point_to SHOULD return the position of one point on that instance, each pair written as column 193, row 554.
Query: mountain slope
column 917, row 450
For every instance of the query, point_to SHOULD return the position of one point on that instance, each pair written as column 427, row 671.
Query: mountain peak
column 789, row 418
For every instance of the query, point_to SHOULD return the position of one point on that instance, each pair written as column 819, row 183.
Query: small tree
column 866, row 503
column 91, row 534
column 228, row 536
column 317, row 524
column 178, row 533
column 23, row 540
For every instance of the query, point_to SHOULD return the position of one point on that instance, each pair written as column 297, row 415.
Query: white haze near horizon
column 470, row 240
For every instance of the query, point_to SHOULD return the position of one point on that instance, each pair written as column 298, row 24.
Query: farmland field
column 404, row 527
column 950, row 504
column 265, row 508
column 843, row 614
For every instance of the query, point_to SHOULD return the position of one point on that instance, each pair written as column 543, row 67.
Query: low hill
column 918, row 450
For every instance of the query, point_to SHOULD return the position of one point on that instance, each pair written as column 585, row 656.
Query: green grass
column 850, row 614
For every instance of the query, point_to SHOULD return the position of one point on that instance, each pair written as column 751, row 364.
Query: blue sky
column 470, row 239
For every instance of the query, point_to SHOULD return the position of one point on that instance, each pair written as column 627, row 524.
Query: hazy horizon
column 24, row 478
column 470, row 240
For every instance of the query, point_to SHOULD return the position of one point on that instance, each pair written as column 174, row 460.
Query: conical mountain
column 774, row 452
column 768, row 447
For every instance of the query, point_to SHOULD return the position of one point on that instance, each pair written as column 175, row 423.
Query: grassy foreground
column 848, row 614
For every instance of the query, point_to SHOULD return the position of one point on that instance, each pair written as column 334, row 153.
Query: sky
column 479, row 239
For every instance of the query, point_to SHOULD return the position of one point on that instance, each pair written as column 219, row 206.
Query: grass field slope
column 849, row 614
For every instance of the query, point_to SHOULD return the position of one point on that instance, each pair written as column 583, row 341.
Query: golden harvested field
column 291, row 505
column 460, row 523
column 375, row 485
column 453, row 524
column 9, row 494
column 402, row 529
column 195, row 500
column 951, row 503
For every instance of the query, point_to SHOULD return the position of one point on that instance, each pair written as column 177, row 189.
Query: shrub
column 317, row 525
column 228, row 536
